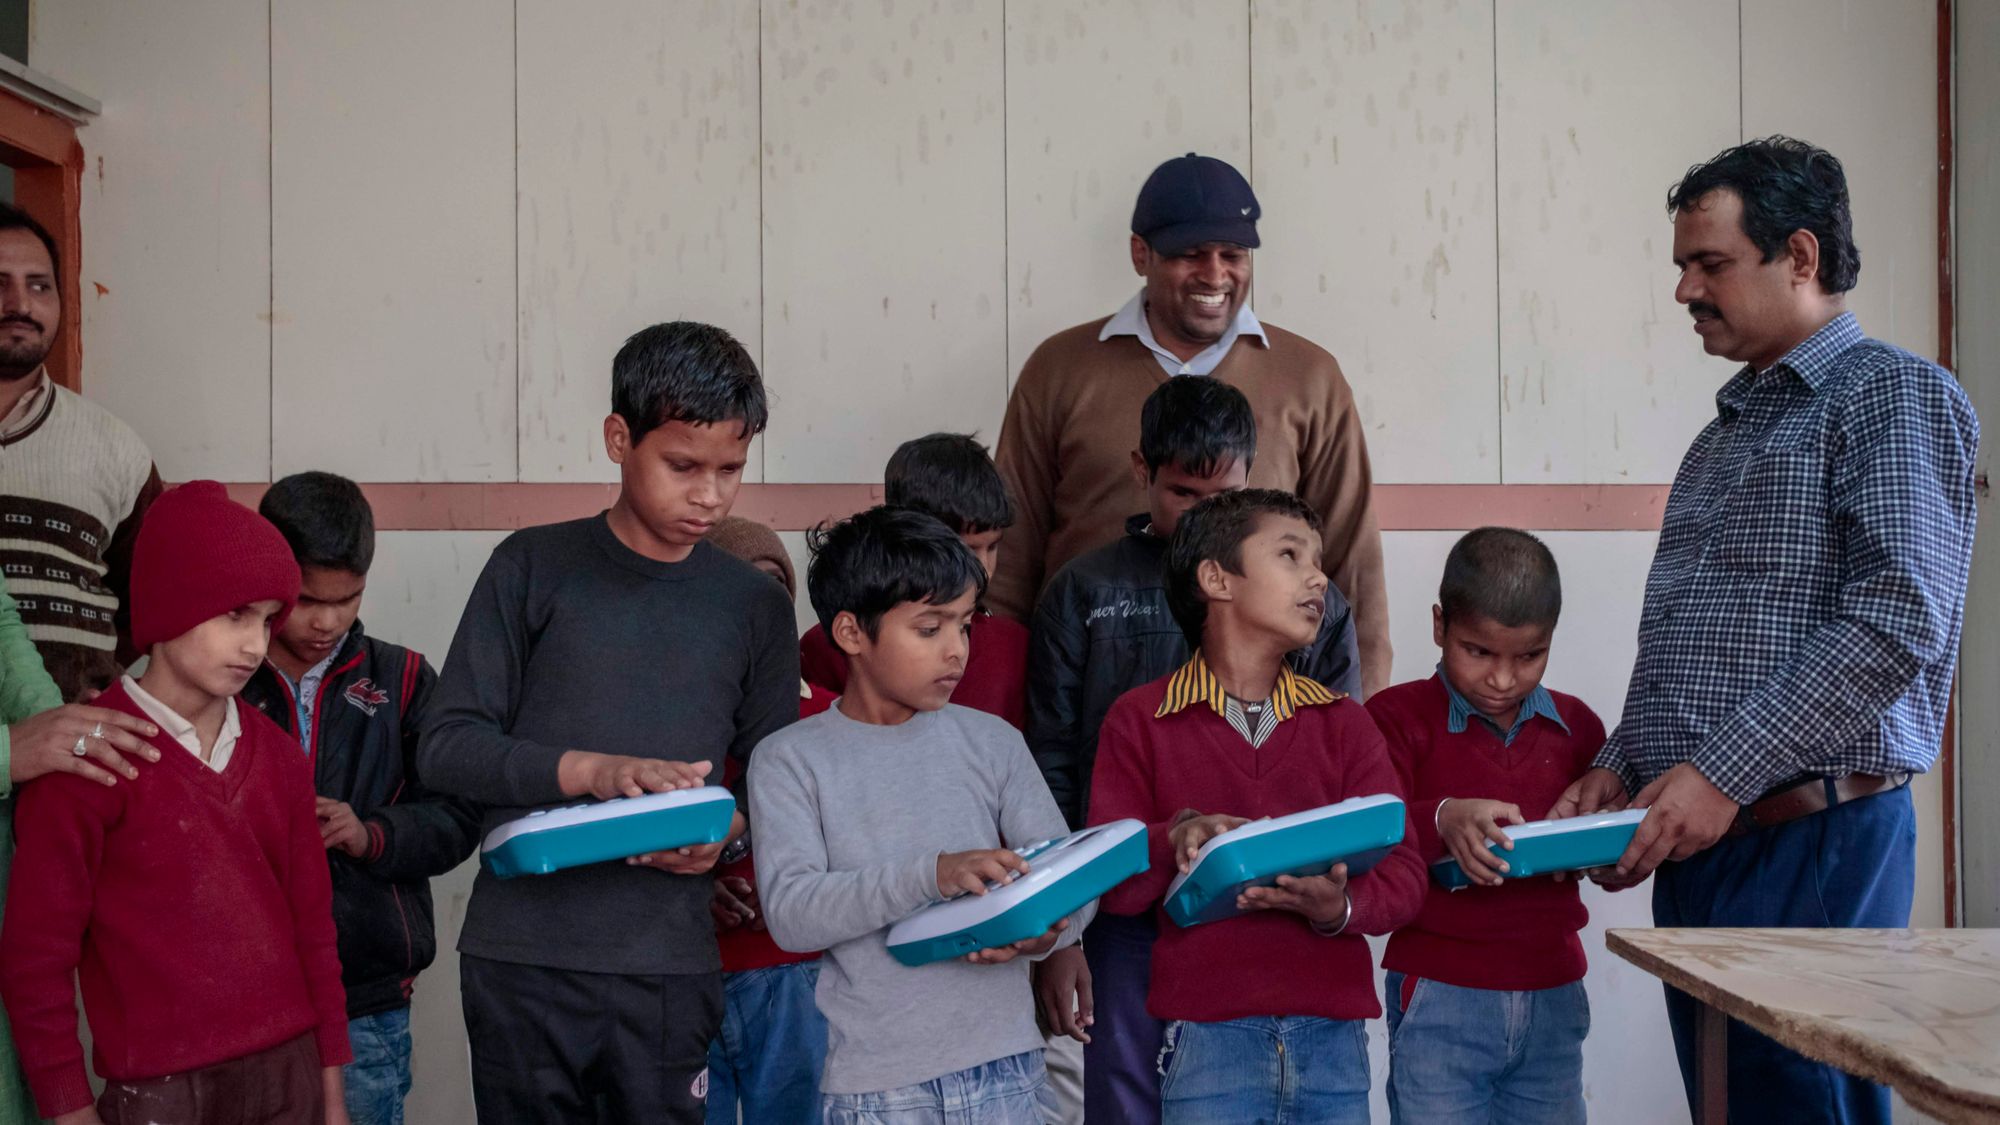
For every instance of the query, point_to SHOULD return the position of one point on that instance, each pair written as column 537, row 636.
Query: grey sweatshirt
column 849, row 820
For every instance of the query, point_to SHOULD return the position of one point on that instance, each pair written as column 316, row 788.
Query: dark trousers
column 1852, row 866
column 280, row 1085
column 570, row 1048
column 1121, row 1063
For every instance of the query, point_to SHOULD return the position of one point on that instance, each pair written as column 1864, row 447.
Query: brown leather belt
column 1812, row 795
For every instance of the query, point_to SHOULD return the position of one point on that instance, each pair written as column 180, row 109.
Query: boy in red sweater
column 951, row 477
column 1479, row 745
column 194, row 902
column 1266, row 1010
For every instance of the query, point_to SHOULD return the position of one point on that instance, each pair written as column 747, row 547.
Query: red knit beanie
column 200, row 555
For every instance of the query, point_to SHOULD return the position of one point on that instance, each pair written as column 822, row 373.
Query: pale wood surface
column 1916, row 1009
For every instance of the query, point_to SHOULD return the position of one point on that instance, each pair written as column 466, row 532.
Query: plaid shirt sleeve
column 1900, row 492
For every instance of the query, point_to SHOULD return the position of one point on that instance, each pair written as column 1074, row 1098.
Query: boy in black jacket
column 1102, row 628
column 355, row 704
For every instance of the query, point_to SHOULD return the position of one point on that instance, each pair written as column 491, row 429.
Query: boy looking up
column 1265, row 1010
column 1479, row 745
column 604, row 657
column 193, row 902
column 354, row 703
column 890, row 801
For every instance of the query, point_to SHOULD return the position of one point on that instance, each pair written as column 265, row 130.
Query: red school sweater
column 1262, row 963
column 194, row 906
column 745, row 947
column 996, row 667
column 1519, row 935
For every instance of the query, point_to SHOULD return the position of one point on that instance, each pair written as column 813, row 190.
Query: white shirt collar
column 1131, row 321
column 183, row 731
column 27, row 405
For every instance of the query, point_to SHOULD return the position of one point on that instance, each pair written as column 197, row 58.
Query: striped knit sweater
column 74, row 483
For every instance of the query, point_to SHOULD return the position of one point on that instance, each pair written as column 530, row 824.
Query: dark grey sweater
column 572, row 641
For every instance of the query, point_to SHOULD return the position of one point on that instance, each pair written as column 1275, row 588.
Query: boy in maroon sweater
column 1266, row 1010
column 1479, row 745
column 193, row 902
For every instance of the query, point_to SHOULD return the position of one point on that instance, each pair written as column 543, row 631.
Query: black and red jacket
column 369, row 709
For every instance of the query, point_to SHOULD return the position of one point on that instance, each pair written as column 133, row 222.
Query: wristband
column 1346, row 916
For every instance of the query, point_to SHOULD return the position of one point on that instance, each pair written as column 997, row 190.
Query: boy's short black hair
column 325, row 519
column 684, row 371
column 1198, row 423
column 868, row 564
column 1504, row 575
column 1215, row 529
column 1786, row 185
column 950, row 477
column 13, row 218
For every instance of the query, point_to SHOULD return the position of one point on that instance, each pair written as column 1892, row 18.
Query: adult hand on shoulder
column 1027, row 947
column 1467, row 824
column 340, row 828
column 46, row 743
column 961, row 873
column 694, row 859
column 1598, row 790
column 1062, row 985
column 1320, row 899
column 583, row 773
column 1685, row 813
column 1189, row 834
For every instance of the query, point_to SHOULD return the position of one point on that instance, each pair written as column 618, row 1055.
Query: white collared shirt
column 26, row 406
column 1131, row 321
column 183, row 731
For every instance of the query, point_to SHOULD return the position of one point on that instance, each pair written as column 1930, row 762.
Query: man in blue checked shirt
column 1802, row 616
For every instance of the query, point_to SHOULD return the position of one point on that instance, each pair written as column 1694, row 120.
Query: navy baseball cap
column 1194, row 199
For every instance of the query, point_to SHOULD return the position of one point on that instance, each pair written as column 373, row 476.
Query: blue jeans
column 772, row 1046
column 379, row 1077
column 1121, row 1081
column 1853, row 865
column 1003, row 1092
column 1266, row 1070
column 1474, row 1056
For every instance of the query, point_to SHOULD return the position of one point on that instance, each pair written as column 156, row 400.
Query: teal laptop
column 1543, row 847
column 1063, row 875
column 1358, row 832
column 549, row 840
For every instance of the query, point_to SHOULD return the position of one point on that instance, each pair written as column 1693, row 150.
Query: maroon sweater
column 996, row 667
column 195, row 906
column 1523, row 933
column 1264, row 963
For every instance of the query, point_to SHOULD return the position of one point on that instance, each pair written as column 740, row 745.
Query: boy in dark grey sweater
column 892, row 800
column 613, row 656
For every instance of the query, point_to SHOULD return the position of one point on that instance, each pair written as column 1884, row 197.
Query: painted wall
column 403, row 241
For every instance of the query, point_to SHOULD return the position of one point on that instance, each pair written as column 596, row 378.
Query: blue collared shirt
column 305, row 693
column 1459, row 711
column 1803, row 611
column 1131, row 321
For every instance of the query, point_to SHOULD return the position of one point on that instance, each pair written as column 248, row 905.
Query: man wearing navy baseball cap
column 1067, row 451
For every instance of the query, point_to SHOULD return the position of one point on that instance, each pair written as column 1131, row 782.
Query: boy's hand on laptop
column 1188, row 835
column 47, row 743
column 1598, row 790
column 604, row 776
column 1029, row 947
column 340, row 828
column 1466, row 825
column 1062, row 984
column 695, row 859
column 1321, row 899
column 960, row 873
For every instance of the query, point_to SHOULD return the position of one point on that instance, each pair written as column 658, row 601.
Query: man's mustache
column 29, row 321
column 1695, row 308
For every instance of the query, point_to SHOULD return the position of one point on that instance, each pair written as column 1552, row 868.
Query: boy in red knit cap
column 194, row 902
column 1479, row 745
column 1266, row 1011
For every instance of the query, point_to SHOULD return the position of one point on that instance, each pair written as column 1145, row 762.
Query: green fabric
column 25, row 689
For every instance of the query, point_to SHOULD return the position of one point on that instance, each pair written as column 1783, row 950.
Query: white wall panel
column 884, row 230
column 1099, row 93
column 393, row 239
column 1869, row 97
column 638, row 201
column 1601, row 108
column 176, row 271
column 1373, row 139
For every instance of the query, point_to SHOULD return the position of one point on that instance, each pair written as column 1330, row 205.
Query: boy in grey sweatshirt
column 890, row 801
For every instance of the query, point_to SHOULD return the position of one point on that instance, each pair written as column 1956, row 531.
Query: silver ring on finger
column 97, row 732
column 81, row 748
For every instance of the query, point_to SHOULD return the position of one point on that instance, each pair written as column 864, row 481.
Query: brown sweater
column 1073, row 422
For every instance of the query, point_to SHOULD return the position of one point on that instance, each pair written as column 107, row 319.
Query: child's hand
column 583, row 773
column 85, row 1116
column 1320, row 899
column 1466, row 824
column 695, row 859
column 334, row 1089
column 1027, row 947
column 961, row 873
column 1598, row 790
column 734, row 904
column 1062, row 984
column 339, row 827
column 1190, row 834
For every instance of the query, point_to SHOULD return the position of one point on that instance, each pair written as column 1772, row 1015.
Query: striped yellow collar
column 1195, row 683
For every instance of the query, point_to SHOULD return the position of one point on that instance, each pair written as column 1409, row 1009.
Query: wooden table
column 1916, row 1009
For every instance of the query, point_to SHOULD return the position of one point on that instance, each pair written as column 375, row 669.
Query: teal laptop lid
column 1358, row 832
column 548, row 840
column 1543, row 847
